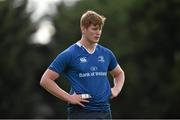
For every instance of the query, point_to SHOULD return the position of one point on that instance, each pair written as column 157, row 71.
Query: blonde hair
column 91, row 17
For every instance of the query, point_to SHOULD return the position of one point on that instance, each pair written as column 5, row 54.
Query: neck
column 90, row 46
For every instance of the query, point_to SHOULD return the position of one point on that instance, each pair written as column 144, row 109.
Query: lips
column 97, row 37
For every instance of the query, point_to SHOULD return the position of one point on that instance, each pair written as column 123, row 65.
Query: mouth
column 97, row 37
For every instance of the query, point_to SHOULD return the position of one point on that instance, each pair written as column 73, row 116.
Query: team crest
column 100, row 58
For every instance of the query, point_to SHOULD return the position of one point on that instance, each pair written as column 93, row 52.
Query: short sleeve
column 112, row 61
column 60, row 63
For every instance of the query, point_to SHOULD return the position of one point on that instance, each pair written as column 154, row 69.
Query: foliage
column 21, row 63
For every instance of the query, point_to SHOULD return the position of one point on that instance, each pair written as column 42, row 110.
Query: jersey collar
column 80, row 45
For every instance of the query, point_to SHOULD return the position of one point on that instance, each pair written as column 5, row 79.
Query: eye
column 95, row 28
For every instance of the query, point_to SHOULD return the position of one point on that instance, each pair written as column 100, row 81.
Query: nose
column 98, row 32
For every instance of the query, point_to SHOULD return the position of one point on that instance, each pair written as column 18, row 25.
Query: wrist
column 116, row 89
column 68, row 98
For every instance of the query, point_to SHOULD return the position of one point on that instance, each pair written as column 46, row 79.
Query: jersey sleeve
column 60, row 63
column 112, row 61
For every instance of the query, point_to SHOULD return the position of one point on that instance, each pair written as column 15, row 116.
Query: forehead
column 94, row 26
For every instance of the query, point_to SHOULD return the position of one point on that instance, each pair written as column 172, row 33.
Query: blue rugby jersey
column 87, row 73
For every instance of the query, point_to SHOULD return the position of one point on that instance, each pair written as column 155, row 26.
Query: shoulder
column 67, row 53
column 70, row 50
column 104, row 49
column 106, row 52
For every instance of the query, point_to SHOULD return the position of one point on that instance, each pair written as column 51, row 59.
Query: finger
column 81, row 104
column 83, row 100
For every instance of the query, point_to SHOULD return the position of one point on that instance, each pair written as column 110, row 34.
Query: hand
column 77, row 99
column 114, row 93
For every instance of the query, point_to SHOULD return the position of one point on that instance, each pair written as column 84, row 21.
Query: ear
column 83, row 29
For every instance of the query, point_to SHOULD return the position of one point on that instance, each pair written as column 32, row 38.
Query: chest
column 90, row 63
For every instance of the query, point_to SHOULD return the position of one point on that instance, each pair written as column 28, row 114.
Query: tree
column 21, row 64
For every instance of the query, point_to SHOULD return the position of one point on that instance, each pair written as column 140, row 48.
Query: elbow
column 122, row 75
column 42, row 82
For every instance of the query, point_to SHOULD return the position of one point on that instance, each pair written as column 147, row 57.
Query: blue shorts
column 80, row 113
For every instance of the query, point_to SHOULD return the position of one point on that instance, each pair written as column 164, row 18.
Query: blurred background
column 143, row 34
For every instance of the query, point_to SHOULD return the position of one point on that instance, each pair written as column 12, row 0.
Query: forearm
column 54, row 89
column 118, row 82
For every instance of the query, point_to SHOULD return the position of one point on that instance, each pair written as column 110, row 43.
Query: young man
column 85, row 64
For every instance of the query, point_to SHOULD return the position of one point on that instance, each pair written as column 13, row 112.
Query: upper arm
column 116, row 71
column 50, row 74
column 61, row 62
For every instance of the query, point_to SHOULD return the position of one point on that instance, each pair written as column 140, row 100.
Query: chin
column 96, row 41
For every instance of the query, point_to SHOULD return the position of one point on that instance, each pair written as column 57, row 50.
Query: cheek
column 93, row 32
column 90, row 33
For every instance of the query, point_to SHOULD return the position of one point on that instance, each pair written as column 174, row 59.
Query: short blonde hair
column 91, row 17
